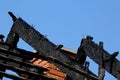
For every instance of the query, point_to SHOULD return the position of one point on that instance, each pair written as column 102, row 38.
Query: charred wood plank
column 27, row 55
column 94, row 52
column 21, row 64
column 19, row 53
column 30, row 73
column 13, row 16
column 80, row 56
column 11, row 76
column 86, row 69
column 18, row 56
column 12, row 39
column 101, row 72
column 70, row 68
column 40, row 43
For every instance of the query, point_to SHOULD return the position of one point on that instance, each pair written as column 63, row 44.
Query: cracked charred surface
column 46, row 48
column 110, row 63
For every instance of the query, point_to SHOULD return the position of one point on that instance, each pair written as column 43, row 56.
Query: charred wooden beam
column 13, row 16
column 30, row 73
column 86, row 69
column 81, row 56
column 21, row 64
column 6, row 54
column 101, row 72
column 70, row 68
column 11, row 76
column 1, row 41
column 18, row 56
column 1, row 38
column 92, row 50
column 23, row 71
column 37, row 40
column 14, row 77
column 40, row 43
column 13, row 38
column 18, row 61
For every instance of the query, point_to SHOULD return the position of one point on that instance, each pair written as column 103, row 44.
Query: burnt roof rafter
column 47, row 50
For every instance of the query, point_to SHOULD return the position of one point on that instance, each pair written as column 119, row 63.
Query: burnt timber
column 19, row 55
column 111, row 64
column 18, row 60
column 40, row 44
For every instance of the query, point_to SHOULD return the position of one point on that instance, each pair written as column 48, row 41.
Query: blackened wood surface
column 44, row 46
column 12, row 40
column 11, row 76
column 16, row 59
column 41, row 44
column 18, row 56
column 38, row 41
column 93, row 51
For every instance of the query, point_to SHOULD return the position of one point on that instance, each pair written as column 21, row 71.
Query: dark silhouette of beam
column 43, row 46
column 94, row 52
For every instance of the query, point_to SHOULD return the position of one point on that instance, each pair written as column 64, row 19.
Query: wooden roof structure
column 76, row 68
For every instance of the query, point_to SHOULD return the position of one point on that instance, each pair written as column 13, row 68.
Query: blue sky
column 68, row 21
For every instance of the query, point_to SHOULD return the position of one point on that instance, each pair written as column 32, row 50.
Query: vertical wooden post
column 86, row 69
column 101, row 72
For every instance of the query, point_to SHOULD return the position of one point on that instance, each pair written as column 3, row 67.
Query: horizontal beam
column 15, row 61
column 73, row 69
column 19, row 57
column 23, row 71
column 18, row 53
column 11, row 76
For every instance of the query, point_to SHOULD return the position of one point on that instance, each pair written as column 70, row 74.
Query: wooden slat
column 24, row 71
column 19, row 63
column 11, row 76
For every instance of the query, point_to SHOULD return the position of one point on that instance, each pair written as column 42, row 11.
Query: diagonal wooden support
column 43, row 46
column 93, row 51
